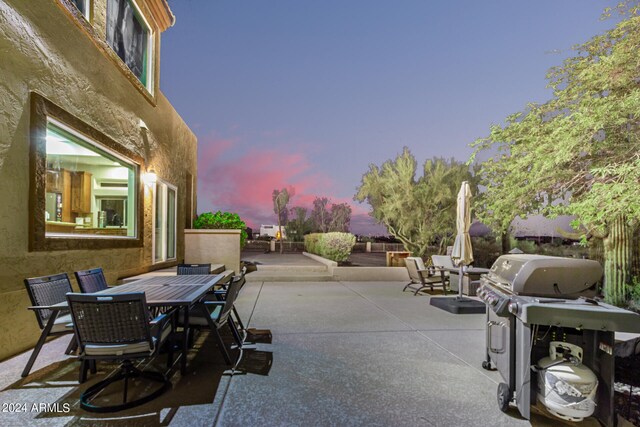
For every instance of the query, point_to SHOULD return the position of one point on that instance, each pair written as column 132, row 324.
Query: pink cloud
column 238, row 179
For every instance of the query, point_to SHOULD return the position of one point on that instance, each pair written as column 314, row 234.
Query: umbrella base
column 457, row 305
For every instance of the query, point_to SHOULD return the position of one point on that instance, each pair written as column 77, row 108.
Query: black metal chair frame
column 187, row 269
column 91, row 281
column 221, row 295
column 118, row 319
column 216, row 319
column 47, row 291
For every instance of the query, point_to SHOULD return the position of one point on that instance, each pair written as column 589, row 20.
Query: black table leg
column 38, row 347
column 185, row 341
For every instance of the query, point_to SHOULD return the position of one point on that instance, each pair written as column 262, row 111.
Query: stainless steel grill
column 534, row 300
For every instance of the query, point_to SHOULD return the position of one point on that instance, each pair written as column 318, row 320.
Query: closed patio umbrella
column 462, row 254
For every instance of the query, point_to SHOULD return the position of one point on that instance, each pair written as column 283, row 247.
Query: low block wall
column 213, row 246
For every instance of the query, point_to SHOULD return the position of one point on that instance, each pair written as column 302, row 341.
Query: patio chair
column 188, row 269
column 46, row 291
column 117, row 327
column 221, row 295
column 91, row 281
column 423, row 278
column 216, row 314
column 445, row 261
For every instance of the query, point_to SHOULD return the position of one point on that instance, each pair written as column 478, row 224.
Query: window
column 84, row 6
column 130, row 36
column 74, row 204
column 164, row 227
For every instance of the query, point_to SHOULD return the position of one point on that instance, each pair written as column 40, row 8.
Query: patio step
column 291, row 276
column 293, row 269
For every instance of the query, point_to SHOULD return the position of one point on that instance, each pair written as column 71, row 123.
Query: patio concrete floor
column 343, row 354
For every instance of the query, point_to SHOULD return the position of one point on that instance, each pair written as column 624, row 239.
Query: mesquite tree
column 418, row 211
column 579, row 153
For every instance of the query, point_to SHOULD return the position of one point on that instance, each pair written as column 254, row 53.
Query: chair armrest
column 47, row 307
column 214, row 303
column 426, row 272
column 158, row 324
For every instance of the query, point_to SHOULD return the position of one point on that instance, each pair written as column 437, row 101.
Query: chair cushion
column 116, row 349
column 120, row 349
column 63, row 323
column 196, row 318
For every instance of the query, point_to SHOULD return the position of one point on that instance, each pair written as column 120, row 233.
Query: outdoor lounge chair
column 445, row 261
column 422, row 278
column 216, row 314
column 117, row 327
column 91, row 281
column 188, row 269
column 46, row 291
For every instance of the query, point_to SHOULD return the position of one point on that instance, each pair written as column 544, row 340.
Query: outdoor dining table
column 180, row 292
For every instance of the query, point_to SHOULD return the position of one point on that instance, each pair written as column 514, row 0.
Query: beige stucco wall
column 42, row 50
column 214, row 247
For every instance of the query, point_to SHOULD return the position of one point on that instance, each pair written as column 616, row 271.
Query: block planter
column 213, row 246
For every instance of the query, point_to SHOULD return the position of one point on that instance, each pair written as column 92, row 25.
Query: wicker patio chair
column 216, row 314
column 91, row 281
column 117, row 327
column 46, row 291
column 187, row 269
column 423, row 278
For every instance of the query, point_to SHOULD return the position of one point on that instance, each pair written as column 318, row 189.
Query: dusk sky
column 308, row 93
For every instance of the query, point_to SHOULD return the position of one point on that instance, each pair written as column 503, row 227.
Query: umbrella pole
column 460, row 275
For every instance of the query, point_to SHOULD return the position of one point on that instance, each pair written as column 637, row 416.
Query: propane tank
column 566, row 387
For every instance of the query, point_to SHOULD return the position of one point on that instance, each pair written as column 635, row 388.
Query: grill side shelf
column 598, row 318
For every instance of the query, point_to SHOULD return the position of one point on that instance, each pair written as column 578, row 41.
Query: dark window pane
column 80, row 4
column 127, row 36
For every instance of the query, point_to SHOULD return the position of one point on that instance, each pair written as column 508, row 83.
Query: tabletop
column 164, row 291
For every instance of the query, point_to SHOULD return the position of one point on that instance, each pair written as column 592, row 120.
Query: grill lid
column 540, row 275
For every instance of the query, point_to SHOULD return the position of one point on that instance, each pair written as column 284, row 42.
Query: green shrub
column 311, row 243
column 334, row 246
column 337, row 246
column 222, row 220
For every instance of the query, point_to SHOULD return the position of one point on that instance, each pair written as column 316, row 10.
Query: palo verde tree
column 579, row 153
column 418, row 211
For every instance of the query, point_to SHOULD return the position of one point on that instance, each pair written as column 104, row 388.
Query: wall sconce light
column 150, row 177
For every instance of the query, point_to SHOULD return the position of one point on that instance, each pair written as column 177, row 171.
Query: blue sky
column 308, row 94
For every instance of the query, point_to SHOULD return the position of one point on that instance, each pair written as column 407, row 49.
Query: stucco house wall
column 43, row 50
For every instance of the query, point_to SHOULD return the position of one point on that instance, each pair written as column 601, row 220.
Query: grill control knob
column 513, row 307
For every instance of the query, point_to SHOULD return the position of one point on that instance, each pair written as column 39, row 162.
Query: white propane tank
column 566, row 388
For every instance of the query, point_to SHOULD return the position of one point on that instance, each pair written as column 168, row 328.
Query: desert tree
column 579, row 153
column 417, row 210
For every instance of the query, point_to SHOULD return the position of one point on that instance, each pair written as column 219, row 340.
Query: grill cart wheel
column 504, row 396
column 486, row 365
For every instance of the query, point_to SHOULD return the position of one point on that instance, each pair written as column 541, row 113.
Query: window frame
column 150, row 77
column 149, row 91
column 42, row 111
column 88, row 5
column 165, row 189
